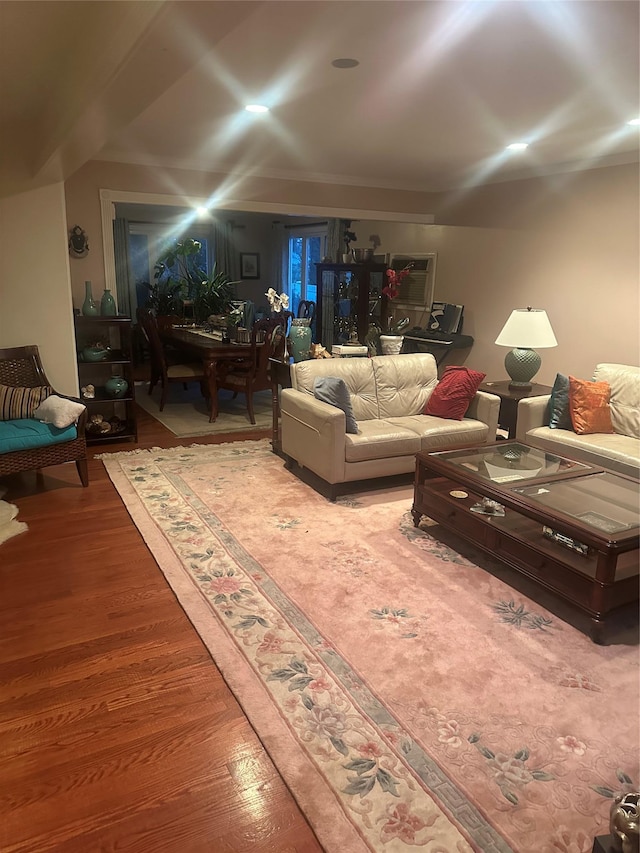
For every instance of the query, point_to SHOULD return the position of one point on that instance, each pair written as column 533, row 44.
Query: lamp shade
column 527, row 328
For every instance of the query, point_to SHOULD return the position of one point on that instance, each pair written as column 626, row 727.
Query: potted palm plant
column 179, row 277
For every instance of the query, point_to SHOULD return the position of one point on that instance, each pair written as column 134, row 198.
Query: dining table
column 199, row 343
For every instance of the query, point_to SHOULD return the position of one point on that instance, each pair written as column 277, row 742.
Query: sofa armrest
column 314, row 434
column 485, row 407
column 532, row 412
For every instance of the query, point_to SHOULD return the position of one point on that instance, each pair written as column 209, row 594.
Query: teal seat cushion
column 27, row 433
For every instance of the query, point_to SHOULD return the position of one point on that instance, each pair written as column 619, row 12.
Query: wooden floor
column 117, row 731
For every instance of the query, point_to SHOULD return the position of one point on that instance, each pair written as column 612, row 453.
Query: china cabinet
column 104, row 355
column 350, row 299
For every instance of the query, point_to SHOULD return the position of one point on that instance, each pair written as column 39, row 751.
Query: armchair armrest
column 485, row 407
column 532, row 412
column 314, row 434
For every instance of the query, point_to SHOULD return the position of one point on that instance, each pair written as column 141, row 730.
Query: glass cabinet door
column 350, row 299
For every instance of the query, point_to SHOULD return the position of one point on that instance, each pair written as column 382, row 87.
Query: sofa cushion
column 27, row 433
column 332, row 390
column 453, row 393
column 559, row 414
column 624, row 381
column 380, row 439
column 357, row 374
column 20, row 402
column 620, row 453
column 589, row 406
column 443, row 433
column 58, row 411
column 403, row 382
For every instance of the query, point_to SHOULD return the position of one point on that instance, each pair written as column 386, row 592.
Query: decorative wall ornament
column 78, row 242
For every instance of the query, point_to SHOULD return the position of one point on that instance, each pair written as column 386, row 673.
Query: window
column 305, row 250
column 147, row 241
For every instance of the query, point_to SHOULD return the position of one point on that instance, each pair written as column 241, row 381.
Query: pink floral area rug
column 409, row 698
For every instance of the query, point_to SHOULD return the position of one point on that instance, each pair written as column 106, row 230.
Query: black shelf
column 115, row 333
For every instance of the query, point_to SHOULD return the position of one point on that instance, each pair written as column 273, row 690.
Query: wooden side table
column 509, row 399
column 280, row 378
column 603, row 844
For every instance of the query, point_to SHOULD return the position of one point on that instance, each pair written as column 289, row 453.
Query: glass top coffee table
column 571, row 527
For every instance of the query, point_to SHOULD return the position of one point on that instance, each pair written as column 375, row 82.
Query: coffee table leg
column 597, row 631
column 416, row 517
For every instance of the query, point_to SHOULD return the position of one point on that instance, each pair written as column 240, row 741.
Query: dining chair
column 250, row 374
column 168, row 367
column 307, row 310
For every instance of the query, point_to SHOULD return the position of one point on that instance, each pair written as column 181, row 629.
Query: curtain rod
column 304, row 225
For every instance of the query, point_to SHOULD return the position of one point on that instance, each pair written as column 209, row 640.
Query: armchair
column 25, row 443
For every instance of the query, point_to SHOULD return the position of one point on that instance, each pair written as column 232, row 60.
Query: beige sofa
column 618, row 451
column 388, row 394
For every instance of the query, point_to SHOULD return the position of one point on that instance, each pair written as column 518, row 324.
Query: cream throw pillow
column 58, row 411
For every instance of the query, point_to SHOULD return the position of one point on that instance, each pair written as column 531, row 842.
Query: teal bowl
column 94, row 354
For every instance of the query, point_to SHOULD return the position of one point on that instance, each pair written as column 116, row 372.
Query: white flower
column 277, row 302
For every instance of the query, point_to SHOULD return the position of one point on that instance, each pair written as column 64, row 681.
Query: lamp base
column 522, row 365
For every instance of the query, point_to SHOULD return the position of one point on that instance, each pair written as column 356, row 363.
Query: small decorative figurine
column 623, row 823
column 78, row 242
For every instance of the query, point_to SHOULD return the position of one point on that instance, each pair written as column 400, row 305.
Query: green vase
column 89, row 306
column 300, row 339
column 116, row 386
column 107, row 304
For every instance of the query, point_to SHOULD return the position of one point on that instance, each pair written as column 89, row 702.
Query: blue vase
column 89, row 306
column 300, row 339
column 107, row 304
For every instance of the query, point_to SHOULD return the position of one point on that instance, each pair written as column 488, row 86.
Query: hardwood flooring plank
column 117, row 731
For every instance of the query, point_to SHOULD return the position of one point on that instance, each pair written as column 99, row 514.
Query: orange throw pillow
column 589, row 406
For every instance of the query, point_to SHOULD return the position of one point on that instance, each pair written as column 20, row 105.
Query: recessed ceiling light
column 256, row 108
column 345, row 63
column 517, row 146
column 202, row 211
column 635, row 122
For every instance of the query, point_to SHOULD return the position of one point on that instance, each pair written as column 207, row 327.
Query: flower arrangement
column 394, row 279
column 278, row 302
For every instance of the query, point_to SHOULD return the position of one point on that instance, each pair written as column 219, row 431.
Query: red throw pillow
column 589, row 406
column 453, row 393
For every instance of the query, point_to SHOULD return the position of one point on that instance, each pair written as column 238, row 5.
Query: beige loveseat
column 618, row 451
column 388, row 394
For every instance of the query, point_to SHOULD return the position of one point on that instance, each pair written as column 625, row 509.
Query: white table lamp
column 525, row 329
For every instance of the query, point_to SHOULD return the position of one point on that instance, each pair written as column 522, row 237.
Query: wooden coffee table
column 589, row 553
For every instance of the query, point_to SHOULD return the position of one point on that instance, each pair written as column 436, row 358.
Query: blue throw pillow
column 332, row 390
column 560, row 414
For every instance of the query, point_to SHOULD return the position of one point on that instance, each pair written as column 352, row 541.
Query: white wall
column 35, row 290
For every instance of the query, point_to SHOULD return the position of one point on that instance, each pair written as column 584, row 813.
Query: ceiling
column 441, row 88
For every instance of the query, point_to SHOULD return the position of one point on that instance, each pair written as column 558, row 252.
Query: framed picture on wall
column 249, row 265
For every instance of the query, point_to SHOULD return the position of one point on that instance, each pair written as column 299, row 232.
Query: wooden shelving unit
column 116, row 334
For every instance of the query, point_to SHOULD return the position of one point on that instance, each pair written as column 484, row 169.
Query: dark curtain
column 123, row 274
column 335, row 230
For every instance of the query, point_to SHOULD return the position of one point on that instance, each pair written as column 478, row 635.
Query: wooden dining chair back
column 21, row 367
column 307, row 310
column 167, row 368
column 250, row 374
